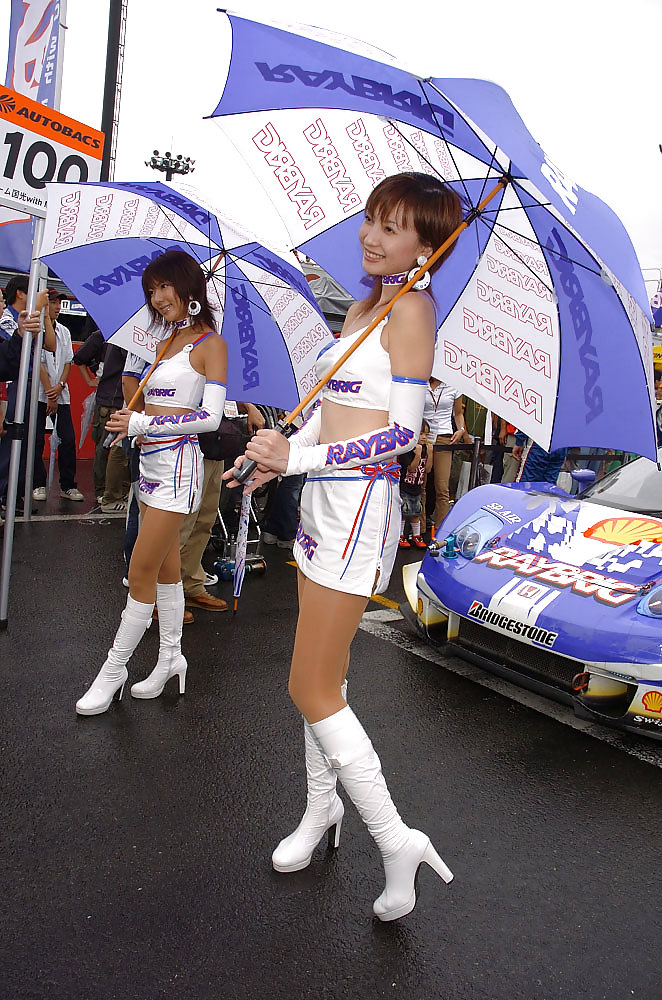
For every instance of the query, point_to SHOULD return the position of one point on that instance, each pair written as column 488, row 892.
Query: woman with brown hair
column 350, row 522
column 183, row 396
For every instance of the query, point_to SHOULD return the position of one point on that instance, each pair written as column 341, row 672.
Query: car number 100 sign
column 38, row 145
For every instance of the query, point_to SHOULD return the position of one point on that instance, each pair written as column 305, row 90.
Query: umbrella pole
column 285, row 426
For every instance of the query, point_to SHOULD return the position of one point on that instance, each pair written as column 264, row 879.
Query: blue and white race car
column 561, row 594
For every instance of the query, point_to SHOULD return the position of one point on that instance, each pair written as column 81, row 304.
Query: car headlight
column 651, row 604
column 476, row 533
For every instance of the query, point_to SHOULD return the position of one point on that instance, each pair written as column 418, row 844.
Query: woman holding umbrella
column 183, row 396
column 346, row 544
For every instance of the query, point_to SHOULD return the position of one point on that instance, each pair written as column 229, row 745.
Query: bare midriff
column 342, row 423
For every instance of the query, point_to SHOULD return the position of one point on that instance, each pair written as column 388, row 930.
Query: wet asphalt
column 136, row 845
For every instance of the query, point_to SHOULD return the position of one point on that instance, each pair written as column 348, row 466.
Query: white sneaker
column 269, row 539
column 210, row 579
column 70, row 494
column 39, row 493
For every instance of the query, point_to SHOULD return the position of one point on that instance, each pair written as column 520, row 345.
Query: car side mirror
column 583, row 476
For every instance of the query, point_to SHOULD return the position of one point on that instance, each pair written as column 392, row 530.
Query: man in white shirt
column 55, row 402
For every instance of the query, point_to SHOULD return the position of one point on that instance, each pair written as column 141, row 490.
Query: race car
column 561, row 594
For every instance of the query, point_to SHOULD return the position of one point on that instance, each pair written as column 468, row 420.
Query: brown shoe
column 188, row 616
column 206, row 601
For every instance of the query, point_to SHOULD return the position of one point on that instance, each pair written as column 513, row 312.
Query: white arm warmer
column 309, row 432
column 403, row 430
column 207, row 418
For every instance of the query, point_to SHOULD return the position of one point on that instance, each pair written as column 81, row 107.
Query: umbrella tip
column 236, row 605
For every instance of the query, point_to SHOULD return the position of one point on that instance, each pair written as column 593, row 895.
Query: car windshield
column 636, row 486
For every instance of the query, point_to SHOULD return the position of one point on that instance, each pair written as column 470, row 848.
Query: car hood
column 575, row 569
column 616, row 543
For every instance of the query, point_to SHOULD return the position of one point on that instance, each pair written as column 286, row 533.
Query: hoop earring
column 194, row 307
column 423, row 282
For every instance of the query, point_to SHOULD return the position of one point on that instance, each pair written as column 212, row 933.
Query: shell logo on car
column 652, row 701
column 626, row 530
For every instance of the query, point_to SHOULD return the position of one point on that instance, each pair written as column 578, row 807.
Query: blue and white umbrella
column 99, row 238
column 542, row 308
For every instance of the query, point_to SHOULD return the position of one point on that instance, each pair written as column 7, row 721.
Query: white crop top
column 175, row 382
column 365, row 378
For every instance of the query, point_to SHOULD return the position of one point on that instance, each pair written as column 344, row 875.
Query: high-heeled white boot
column 324, row 809
column 136, row 618
column 350, row 752
column 170, row 604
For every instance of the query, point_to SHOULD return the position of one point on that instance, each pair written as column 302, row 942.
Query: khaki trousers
column 440, row 476
column 196, row 529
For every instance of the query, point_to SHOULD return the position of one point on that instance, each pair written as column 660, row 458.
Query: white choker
column 394, row 279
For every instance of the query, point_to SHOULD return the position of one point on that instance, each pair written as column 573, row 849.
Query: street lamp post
column 170, row 164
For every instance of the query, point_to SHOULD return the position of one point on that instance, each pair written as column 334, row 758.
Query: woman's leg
column 328, row 621
column 155, row 556
column 170, row 603
column 324, row 809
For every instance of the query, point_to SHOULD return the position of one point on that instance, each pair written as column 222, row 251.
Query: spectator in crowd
column 536, row 464
column 415, row 466
column 55, row 402
column 111, row 465
column 510, row 463
column 16, row 297
column 10, row 350
column 442, row 404
column 280, row 524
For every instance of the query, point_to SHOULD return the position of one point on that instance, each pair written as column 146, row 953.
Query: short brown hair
column 432, row 208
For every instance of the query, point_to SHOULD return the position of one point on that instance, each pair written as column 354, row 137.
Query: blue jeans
column 283, row 517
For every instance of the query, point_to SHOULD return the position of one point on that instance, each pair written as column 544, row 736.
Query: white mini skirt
column 171, row 474
column 350, row 527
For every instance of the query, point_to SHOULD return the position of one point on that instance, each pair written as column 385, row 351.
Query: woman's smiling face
column 167, row 302
column 390, row 245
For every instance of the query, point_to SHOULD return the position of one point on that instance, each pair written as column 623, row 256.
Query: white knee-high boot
column 351, row 754
column 324, row 809
column 136, row 618
column 170, row 603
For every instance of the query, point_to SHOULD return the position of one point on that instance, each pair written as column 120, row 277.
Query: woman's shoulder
column 414, row 307
column 208, row 340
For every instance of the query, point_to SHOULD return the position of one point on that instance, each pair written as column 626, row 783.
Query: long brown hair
column 186, row 276
column 432, row 208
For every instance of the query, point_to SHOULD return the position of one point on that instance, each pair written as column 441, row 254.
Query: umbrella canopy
column 542, row 307
column 99, row 238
